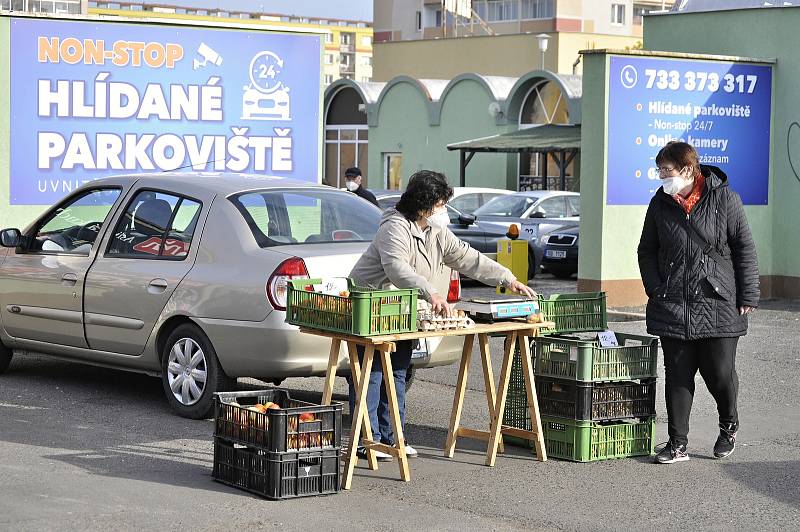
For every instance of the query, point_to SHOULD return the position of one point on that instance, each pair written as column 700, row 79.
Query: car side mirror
column 539, row 214
column 10, row 238
column 466, row 219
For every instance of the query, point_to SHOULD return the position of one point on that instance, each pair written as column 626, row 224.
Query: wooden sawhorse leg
column 455, row 429
column 360, row 422
column 535, row 434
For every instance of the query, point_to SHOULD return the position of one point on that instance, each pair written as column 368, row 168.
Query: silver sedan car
column 184, row 276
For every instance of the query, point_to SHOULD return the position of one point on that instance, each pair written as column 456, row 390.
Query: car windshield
column 511, row 205
column 306, row 215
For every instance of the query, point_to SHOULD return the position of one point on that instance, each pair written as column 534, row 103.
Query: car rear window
column 511, row 205
column 298, row 216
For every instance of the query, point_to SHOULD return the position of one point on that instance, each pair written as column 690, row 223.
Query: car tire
column 410, row 374
column 532, row 267
column 559, row 273
column 182, row 376
column 5, row 358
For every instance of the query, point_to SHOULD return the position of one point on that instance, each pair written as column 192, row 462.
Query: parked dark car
column 560, row 256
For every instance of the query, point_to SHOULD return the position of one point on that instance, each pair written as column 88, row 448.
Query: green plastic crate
column 581, row 312
column 587, row 441
column 583, row 359
column 582, row 441
column 365, row 312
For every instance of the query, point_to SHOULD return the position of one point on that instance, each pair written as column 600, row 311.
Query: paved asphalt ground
column 85, row 448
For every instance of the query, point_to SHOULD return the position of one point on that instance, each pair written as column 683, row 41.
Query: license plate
column 555, row 254
column 420, row 349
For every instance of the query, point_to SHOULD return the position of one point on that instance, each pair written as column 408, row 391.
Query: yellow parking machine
column 513, row 254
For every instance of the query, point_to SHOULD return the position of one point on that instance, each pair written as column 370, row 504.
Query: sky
column 342, row 9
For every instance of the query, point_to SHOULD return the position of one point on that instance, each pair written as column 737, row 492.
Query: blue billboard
column 723, row 109
column 92, row 99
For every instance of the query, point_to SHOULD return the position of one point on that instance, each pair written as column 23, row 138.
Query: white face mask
column 439, row 219
column 352, row 186
column 673, row 185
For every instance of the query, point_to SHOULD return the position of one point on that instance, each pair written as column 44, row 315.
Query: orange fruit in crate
column 344, row 293
column 306, row 417
column 274, row 406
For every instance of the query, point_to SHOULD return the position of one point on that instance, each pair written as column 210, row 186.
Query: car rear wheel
column 5, row 358
column 560, row 273
column 190, row 372
column 532, row 266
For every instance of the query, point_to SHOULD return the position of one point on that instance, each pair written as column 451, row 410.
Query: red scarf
column 690, row 201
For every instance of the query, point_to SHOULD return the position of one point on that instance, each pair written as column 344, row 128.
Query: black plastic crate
column 587, row 401
column 277, row 430
column 277, row 475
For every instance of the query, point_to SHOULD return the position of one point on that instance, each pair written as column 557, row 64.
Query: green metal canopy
column 546, row 138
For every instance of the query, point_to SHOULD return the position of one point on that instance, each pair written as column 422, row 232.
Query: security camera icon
column 208, row 54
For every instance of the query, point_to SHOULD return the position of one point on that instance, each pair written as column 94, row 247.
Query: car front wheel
column 5, row 358
column 190, row 372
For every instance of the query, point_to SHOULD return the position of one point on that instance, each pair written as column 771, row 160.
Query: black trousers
column 716, row 360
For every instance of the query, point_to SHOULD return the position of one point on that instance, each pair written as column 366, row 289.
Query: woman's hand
column 745, row 310
column 523, row 289
column 441, row 306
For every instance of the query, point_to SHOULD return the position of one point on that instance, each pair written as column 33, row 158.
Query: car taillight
column 277, row 285
column 454, row 291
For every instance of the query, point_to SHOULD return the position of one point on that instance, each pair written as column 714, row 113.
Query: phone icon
column 628, row 76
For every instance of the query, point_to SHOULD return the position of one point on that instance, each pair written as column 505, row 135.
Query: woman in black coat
column 700, row 272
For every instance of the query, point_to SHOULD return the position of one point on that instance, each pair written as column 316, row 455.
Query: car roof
column 539, row 194
column 460, row 191
column 224, row 183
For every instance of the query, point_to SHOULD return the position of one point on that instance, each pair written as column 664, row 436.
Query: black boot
column 726, row 441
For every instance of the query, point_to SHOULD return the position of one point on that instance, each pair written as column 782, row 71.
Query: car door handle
column 157, row 286
column 69, row 278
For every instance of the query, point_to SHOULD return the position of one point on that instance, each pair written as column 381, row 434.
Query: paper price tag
column 607, row 339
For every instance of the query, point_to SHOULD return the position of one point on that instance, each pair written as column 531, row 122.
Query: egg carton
column 428, row 321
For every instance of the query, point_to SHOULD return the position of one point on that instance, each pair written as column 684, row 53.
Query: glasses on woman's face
column 666, row 170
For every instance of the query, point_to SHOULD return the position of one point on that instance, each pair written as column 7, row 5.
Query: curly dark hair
column 425, row 189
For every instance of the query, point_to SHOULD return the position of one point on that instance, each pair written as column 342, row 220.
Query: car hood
column 326, row 260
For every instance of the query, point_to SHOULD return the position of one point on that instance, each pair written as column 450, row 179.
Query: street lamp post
column 543, row 40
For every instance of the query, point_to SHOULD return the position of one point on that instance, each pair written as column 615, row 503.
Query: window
column 552, row 208
column 296, row 216
column 73, row 226
column 418, row 21
column 328, row 59
column 366, row 60
column 438, row 23
column 329, row 38
column 345, row 38
column 466, row 203
column 328, row 79
column 155, row 225
column 574, row 205
column 505, row 10
column 639, row 11
column 366, row 40
column 618, row 14
column 344, row 60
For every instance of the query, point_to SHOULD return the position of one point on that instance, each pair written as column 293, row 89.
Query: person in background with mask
column 414, row 247
column 700, row 272
column 352, row 180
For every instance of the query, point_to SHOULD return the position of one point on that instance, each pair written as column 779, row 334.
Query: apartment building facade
column 421, row 38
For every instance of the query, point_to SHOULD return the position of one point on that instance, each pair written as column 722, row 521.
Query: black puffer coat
column 691, row 296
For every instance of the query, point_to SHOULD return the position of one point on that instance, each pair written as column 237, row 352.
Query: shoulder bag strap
column 707, row 248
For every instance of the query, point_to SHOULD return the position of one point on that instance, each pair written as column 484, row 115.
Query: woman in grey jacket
column 699, row 268
column 411, row 250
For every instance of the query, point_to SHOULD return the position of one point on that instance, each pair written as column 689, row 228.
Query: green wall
column 760, row 33
column 403, row 126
